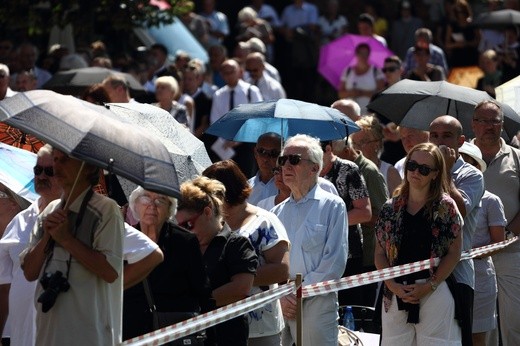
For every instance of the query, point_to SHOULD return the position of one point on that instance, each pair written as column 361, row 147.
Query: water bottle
column 348, row 319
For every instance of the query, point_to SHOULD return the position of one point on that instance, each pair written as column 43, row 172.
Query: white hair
column 312, row 145
column 140, row 191
column 247, row 13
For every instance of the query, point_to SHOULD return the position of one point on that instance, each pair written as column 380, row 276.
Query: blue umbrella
column 286, row 117
column 16, row 171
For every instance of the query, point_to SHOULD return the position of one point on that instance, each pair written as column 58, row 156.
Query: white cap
column 475, row 153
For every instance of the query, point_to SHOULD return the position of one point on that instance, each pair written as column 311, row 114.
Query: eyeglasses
column 294, row 159
column 159, row 202
column 390, row 69
column 273, row 154
column 277, row 170
column 4, row 195
column 38, row 170
column 488, row 122
column 423, row 169
column 190, row 223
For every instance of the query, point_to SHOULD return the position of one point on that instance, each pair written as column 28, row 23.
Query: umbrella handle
column 66, row 206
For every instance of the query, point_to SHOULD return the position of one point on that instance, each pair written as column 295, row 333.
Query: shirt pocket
column 315, row 236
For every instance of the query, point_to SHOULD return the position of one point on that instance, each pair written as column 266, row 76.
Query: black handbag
column 165, row 319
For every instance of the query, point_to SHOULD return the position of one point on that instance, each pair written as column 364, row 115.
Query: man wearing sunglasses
column 466, row 189
column 266, row 152
column 317, row 225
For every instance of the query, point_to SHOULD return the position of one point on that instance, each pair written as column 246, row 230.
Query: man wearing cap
column 503, row 179
column 490, row 229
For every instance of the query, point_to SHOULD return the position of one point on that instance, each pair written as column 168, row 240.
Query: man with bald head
column 231, row 95
column 348, row 107
column 466, row 188
column 269, row 87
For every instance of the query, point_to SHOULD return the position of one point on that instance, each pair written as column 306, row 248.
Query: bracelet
column 433, row 284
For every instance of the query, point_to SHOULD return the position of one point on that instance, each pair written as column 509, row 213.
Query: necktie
column 232, row 99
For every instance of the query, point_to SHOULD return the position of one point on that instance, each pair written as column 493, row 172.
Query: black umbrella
column 416, row 104
column 74, row 82
column 80, row 129
column 497, row 19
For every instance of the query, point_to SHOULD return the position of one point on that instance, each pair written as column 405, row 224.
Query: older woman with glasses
column 179, row 284
column 420, row 222
column 269, row 238
column 230, row 259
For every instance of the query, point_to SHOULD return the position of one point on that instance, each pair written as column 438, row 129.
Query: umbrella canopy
column 341, row 53
column 497, row 19
column 187, row 151
column 74, row 82
column 286, row 117
column 76, row 128
column 416, row 104
column 16, row 171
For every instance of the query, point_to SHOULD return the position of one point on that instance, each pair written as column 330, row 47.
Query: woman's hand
column 415, row 292
column 396, row 288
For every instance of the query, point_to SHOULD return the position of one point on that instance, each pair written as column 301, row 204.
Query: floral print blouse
column 445, row 227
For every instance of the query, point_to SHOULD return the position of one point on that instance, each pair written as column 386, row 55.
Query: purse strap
column 151, row 304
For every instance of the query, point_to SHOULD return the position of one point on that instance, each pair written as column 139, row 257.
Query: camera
column 53, row 284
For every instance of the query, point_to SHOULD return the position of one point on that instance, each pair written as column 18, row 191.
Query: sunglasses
column 389, row 69
column 423, row 169
column 294, row 159
column 273, row 154
column 38, row 170
column 190, row 223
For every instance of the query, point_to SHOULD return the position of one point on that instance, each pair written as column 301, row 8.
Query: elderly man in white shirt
column 316, row 223
column 269, row 87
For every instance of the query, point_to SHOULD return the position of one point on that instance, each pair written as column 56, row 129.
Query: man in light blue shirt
column 217, row 22
column 266, row 152
column 316, row 223
column 467, row 188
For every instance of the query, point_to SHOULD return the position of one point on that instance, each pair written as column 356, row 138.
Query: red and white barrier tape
column 209, row 319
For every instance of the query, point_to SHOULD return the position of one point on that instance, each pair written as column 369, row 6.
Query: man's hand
column 450, row 156
column 289, row 306
column 56, row 224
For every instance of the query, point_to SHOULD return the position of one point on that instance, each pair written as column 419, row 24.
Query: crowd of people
column 110, row 268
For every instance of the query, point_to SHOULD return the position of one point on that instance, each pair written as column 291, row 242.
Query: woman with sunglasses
column 179, row 284
column 230, row 259
column 271, row 244
column 420, row 222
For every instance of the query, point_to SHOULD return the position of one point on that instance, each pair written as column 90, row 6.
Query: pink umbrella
column 340, row 53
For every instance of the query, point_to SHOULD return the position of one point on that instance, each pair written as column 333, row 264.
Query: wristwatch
column 433, row 285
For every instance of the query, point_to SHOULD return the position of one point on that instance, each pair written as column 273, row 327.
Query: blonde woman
column 166, row 90
column 370, row 142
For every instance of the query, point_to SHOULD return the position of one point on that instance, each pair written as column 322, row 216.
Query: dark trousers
column 465, row 302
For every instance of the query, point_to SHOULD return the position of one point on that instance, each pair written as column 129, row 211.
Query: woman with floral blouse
column 420, row 222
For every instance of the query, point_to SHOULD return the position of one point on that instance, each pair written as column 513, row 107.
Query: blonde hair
column 203, row 192
column 371, row 123
column 170, row 81
column 438, row 186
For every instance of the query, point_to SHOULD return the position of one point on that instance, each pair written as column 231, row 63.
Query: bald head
column 446, row 130
column 348, row 107
column 231, row 72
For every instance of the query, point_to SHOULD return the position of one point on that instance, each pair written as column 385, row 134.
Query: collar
column 312, row 194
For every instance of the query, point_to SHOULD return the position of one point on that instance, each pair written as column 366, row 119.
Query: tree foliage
column 38, row 16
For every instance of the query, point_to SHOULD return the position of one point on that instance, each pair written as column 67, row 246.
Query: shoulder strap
column 151, row 303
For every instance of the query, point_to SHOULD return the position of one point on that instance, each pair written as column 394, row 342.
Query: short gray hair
column 5, row 68
column 313, row 148
column 138, row 192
